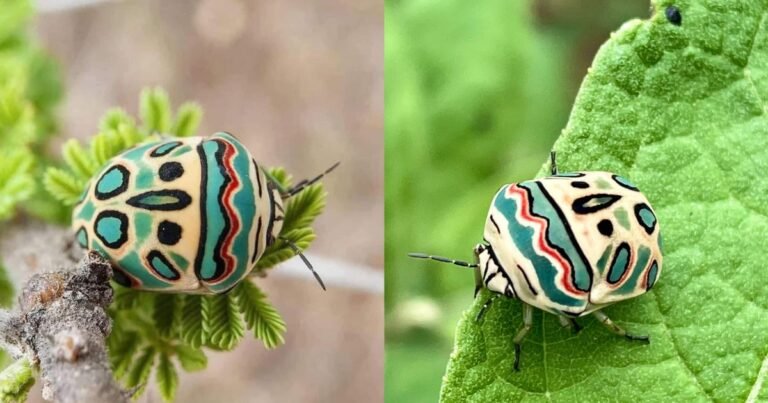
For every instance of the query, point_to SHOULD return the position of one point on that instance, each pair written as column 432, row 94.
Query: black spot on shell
column 673, row 15
column 170, row 171
column 580, row 184
column 121, row 278
column 592, row 203
column 605, row 227
column 168, row 233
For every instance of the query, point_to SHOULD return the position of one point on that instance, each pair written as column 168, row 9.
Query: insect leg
column 570, row 323
column 605, row 320
column 527, row 322
column 485, row 307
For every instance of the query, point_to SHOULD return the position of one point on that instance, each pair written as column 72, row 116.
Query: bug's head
column 489, row 273
column 278, row 215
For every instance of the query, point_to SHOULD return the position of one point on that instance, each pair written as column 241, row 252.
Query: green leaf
column 681, row 111
column 260, row 316
column 78, row 160
column 141, row 369
column 63, row 185
column 192, row 321
column 114, row 119
column 191, row 359
column 155, row 110
column 16, row 181
column 187, row 120
column 167, row 378
column 16, row 380
column 123, row 345
column 222, row 323
column 303, row 208
column 167, row 313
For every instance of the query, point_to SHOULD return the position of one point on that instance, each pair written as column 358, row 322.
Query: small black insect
column 673, row 15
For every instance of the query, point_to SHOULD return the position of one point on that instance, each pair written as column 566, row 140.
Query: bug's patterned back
column 572, row 243
column 183, row 215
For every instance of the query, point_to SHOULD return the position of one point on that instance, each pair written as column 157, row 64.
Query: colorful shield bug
column 190, row 215
column 569, row 244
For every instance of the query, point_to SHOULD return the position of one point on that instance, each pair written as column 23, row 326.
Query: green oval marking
column 162, row 268
column 619, row 266
column 652, row 273
column 110, row 181
column 109, row 229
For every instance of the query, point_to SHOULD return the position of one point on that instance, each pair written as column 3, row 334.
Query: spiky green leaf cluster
column 29, row 90
column 118, row 131
column 157, row 333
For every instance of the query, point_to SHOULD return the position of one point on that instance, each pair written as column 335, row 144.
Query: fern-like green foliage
column 154, row 331
column 29, row 90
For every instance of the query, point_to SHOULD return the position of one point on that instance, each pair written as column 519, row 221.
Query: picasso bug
column 189, row 215
column 569, row 244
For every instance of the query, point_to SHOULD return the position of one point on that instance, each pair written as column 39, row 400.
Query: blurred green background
column 475, row 95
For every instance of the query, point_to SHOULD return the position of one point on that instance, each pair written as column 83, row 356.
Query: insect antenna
column 304, row 259
column 308, row 182
column 553, row 165
column 443, row 260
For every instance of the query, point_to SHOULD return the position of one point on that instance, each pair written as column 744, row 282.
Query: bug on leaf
column 569, row 244
column 189, row 215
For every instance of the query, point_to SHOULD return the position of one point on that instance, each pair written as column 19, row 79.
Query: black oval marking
column 154, row 254
column 605, row 227
column 592, row 203
column 580, row 184
column 623, row 249
column 163, row 200
column 673, row 15
column 123, row 237
column 164, row 149
column 121, row 278
column 120, row 189
column 168, row 233
column 644, row 222
column 170, row 171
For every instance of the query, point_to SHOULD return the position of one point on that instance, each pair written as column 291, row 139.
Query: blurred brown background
column 301, row 83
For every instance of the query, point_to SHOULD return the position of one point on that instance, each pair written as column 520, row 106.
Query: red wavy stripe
column 227, row 201
column 542, row 242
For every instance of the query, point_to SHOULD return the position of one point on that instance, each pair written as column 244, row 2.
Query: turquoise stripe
column 557, row 233
column 523, row 238
column 244, row 205
column 214, row 214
